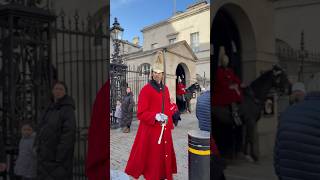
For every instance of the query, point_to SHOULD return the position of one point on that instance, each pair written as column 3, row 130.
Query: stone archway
column 232, row 28
column 254, row 24
column 183, row 72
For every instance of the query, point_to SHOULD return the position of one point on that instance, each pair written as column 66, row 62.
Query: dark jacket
column 2, row 149
column 203, row 111
column 127, row 107
column 55, row 140
column 297, row 145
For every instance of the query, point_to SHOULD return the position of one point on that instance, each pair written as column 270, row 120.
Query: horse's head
column 194, row 87
column 280, row 80
column 198, row 87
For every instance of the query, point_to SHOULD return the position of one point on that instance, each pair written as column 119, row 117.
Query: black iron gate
column 25, row 84
column 38, row 47
column 135, row 78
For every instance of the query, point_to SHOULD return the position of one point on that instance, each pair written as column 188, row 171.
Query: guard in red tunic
column 152, row 154
column 181, row 91
column 181, row 88
column 227, row 88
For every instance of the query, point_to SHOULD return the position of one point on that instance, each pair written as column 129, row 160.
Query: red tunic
column 148, row 158
column 97, row 162
column 173, row 108
column 181, row 89
column 222, row 94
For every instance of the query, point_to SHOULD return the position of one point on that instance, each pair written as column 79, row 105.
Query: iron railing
column 135, row 79
column 37, row 48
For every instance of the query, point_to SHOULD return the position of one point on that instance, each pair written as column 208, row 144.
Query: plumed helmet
column 158, row 62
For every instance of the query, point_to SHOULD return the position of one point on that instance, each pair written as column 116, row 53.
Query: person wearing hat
column 227, row 87
column 181, row 91
column 298, row 93
column 152, row 154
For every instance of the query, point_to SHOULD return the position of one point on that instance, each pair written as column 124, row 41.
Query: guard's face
column 157, row 76
column 58, row 91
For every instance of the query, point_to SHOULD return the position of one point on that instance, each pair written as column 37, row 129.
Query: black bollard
column 199, row 155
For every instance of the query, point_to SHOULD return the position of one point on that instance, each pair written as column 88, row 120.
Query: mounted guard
column 227, row 88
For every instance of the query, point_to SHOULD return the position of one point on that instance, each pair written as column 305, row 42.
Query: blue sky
column 133, row 15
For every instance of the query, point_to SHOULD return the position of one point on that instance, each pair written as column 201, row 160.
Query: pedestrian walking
column 127, row 111
column 152, row 154
column 26, row 164
column 56, row 137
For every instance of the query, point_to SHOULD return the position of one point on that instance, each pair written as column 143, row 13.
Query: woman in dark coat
column 127, row 111
column 56, row 137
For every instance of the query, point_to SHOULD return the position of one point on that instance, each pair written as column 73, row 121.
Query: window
column 194, row 41
column 154, row 45
column 172, row 40
column 145, row 68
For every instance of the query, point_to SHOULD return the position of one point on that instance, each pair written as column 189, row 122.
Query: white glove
column 160, row 117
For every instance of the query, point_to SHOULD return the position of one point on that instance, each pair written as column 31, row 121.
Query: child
column 118, row 113
column 26, row 161
column 175, row 112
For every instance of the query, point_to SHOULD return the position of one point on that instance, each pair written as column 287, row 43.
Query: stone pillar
column 171, row 84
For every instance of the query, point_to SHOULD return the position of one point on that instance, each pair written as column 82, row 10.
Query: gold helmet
column 158, row 62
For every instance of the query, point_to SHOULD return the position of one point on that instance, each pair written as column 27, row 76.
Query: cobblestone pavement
column 120, row 145
column 244, row 170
